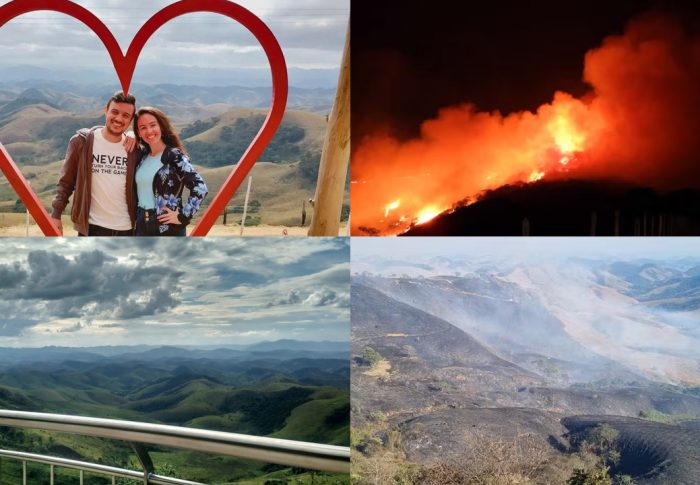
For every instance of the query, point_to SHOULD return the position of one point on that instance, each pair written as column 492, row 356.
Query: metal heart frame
column 124, row 66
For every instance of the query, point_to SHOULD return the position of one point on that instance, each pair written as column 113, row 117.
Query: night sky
column 411, row 58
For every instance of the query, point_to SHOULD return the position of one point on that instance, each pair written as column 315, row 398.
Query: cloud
column 321, row 298
column 311, row 33
column 82, row 291
column 93, row 283
column 154, row 301
column 292, row 298
column 11, row 275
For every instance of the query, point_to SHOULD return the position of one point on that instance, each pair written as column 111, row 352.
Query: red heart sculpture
column 125, row 65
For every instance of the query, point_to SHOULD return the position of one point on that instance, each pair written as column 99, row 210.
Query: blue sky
column 84, row 292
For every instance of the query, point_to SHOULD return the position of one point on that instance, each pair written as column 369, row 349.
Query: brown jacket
column 76, row 175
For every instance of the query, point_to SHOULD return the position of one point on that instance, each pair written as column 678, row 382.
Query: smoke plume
column 640, row 123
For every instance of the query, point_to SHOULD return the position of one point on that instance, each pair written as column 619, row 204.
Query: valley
column 513, row 371
column 216, row 124
column 285, row 389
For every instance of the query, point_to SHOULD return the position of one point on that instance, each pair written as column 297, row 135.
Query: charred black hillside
column 571, row 208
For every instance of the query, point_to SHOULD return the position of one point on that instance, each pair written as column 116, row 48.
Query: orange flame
column 390, row 207
column 635, row 125
column 427, row 214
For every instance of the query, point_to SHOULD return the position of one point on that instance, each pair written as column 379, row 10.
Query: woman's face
column 149, row 129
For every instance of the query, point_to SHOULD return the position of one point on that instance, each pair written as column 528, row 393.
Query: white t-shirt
column 108, row 193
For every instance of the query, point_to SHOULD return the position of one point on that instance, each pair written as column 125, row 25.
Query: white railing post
column 245, row 205
column 51, row 475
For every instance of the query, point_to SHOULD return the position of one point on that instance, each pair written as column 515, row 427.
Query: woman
column 161, row 175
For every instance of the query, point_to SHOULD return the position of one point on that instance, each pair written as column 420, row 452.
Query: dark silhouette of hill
column 571, row 208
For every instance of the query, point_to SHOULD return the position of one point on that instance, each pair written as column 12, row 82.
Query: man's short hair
column 120, row 97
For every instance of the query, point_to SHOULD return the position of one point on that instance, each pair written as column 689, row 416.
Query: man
column 97, row 168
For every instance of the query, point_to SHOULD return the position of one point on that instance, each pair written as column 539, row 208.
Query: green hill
column 285, row 176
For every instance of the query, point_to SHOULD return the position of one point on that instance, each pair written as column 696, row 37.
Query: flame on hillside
column 639, row 123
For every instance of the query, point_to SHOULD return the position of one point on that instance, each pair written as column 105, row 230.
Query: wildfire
column 427, row 214
column 567, row 136
column 535, row 176
column 390, row 207
column 635, row 125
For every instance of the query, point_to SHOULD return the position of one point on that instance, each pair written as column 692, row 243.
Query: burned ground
column 448, row 395
column 654, row 453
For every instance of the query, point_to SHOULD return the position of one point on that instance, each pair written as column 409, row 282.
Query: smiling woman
column 162, row 174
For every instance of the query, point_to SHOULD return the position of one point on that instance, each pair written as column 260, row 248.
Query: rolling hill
column 216, row 124
column 480, row 370
column 298, row 392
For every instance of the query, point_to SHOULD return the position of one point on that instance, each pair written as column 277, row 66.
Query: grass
column 661, row 417
column 279, row 188
column 310, row 422
column 381, row 369
column 266, row 408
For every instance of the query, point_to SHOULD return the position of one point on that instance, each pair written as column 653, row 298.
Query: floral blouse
column 169, row 182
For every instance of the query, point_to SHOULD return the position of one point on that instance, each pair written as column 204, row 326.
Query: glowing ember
column 566, row 136
column 427, row 214
column 535, row 176
column 390, row 207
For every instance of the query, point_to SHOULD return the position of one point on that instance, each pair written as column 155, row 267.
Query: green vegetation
column 660, row 417
column 602, row 442
column 264, row 399
column 309, row 163
column 199, row 126
column 371, row 357
column 234, row 140
column 598, row 476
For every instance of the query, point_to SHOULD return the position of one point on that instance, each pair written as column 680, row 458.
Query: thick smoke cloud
column 639, row 123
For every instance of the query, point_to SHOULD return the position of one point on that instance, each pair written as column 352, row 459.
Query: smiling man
column 97, row 166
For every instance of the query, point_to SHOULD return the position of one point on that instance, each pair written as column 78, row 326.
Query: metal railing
column 272, row 450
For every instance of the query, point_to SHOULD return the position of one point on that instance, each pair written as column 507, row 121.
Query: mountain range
column 459, row 354
column 285, row 389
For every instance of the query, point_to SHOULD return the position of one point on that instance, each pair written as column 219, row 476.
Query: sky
column 311, row 33
column 162, row 291
column 526, row 248
column 505, row 55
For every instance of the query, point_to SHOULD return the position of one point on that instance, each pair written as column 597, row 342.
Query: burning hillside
column 638, row 124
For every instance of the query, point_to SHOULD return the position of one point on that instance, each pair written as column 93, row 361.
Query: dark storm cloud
column 92, row 284
column 52, row 276
column 11, row 275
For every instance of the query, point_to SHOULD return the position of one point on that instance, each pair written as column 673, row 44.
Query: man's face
column 117, row 117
